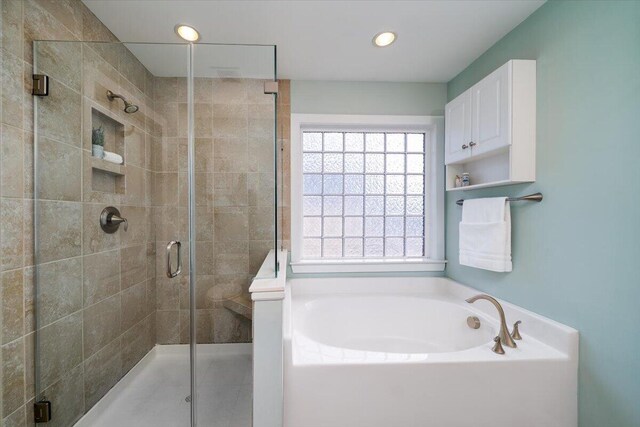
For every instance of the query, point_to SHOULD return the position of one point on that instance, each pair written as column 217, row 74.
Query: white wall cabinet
column 490, row 129
column 458, row 128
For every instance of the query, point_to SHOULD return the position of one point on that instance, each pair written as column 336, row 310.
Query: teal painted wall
column 576, row 256
column 338, row 97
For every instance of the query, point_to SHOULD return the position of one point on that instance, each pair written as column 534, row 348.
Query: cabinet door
column 491, row 106
column 458, row 129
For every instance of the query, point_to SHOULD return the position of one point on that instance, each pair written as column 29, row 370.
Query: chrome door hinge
column 42, row 411
column 271, row 88
column 40, row 85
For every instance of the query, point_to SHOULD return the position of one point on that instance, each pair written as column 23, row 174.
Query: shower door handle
column 178, row 245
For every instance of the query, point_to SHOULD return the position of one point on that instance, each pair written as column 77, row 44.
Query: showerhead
column 129, row 108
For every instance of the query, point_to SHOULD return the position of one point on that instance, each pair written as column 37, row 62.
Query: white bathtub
column 397, row 352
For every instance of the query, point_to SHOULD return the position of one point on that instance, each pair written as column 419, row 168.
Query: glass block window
column 363, row 195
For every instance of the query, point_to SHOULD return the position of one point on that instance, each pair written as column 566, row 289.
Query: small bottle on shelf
column 466, row 179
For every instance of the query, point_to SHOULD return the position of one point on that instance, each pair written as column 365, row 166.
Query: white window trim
column 433, row 127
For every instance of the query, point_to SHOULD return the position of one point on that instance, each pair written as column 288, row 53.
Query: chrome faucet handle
column 110, row 220
column 498, row 347
column 516, row 332
column 115, row 219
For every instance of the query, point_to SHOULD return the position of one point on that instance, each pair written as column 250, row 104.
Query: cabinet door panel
column 458, row 128
column 491, row 104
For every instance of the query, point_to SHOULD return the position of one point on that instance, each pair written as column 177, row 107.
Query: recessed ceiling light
column 187, row 33
column 384, row 39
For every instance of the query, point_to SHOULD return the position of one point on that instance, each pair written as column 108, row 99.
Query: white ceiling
column 320, row 40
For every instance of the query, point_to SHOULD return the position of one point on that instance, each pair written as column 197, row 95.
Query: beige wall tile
column 261, row 223
column 12, row 90
column 168, row 327
column 230, row 189
column 233, row 155
column 255, row 92
column 134, row 139
column 204, row 258
column 67, row 12
column 60, row 230
column 261, row 120
column 204, row 189
column 136, row 343
column 19, row 417
column 230, row 91
column 12, row 28
column 101, row 372
column 134, row 186
column 134, row 307
column 101, row 278
column 138, row 230
column 204, row 160
column 11, row 234
column 12, row 164
column 13, row 385
column 204, row 223
column 166, row 189
column 60, row 348
column 231, row 224
column 261, row 189
column 59, row 115
column 230, row 121
column 258, row 250
column 62, row 62
column 59, row 289
column 101, row 324
column 12, row 305
column 229, row 327
column 133, row 265
column 59, row 171
column 67, row 397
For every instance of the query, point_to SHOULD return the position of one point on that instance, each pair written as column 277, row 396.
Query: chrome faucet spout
column 505, row 336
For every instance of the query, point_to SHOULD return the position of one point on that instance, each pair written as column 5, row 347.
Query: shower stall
column 155, row 192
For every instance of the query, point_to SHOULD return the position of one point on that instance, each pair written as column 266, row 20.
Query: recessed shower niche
column 106, row 176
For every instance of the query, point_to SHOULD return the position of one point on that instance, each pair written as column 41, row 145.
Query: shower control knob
column 110, row 220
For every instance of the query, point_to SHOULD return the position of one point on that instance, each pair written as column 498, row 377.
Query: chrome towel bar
column 536, row 197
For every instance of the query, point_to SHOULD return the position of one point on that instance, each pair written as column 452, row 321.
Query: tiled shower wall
column 235, row 190
column 97, row 310
column 101, row 307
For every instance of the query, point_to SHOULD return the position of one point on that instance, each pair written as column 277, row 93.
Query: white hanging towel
column 485, row 234
column 113, row 157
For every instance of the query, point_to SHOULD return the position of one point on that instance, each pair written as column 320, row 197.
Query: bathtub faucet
column 505, row 336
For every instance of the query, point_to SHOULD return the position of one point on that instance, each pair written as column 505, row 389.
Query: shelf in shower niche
column 108, row 167
column 240, row 305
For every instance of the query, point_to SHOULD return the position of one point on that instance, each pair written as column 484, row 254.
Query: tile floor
column 154, row 392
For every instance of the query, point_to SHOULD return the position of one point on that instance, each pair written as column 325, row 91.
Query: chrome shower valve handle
column 110, row 220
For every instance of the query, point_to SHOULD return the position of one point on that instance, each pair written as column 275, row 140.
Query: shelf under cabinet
column 487, row 185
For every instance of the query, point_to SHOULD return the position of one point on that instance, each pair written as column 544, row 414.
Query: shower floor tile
column 153, row 393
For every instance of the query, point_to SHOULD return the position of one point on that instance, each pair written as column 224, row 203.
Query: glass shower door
column 235, row 219
column 107, row 199
column 154, row 207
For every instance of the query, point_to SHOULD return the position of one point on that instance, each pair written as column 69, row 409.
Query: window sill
column 409, row 265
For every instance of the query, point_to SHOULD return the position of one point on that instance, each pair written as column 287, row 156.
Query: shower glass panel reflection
column 118, row 342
